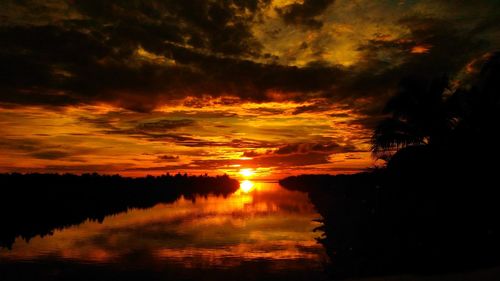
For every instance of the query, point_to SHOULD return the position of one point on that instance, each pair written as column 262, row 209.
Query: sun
column 247, row 172
column 246, row 186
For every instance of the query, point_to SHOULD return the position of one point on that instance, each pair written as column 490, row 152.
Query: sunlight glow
column 247, row 172
column 246, row 186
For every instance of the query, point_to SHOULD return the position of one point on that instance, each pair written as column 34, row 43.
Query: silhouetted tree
column 430, row 113
column 418, row 116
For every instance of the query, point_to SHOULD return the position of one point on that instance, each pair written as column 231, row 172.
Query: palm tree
column 418, row 116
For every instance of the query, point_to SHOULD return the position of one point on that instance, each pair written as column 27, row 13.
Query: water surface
column 260, row 232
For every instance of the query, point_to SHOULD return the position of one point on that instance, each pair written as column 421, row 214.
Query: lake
column 262, row 231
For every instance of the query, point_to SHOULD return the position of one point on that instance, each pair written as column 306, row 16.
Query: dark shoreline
column 384, row 224
column 37, row 204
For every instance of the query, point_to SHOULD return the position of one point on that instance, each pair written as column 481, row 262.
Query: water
column 260, row 232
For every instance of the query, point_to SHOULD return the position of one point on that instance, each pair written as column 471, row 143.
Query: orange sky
column 278, row 86
column 270, row 138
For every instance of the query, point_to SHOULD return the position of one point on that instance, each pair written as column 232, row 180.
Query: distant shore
column 37, row 204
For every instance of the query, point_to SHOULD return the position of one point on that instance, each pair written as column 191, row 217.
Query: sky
column 279, row 87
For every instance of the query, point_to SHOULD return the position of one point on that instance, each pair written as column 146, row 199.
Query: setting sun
column 246, row 186
column 247, row 172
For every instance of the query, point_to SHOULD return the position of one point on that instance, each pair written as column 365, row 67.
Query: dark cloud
column 101, row 122
column 180, row 138
column 319, row 106
column 305, row 13
column 292, row 160
column 449, row 48
column 252, row 153
column 219, row 26
column 50, row 154
column 327, row 147
column 203, row 114
column 297, row 154
column 222, row 126
column 24, row 145
column 168, row 158
column 160, row 129
column 339, row 115
column 164, row 124
column 159, row 132
column 263, row 111
column 104, row 168
column 167, row 130
column 271, row 160
column 205, row 48
column 95, row 59
column 233, row 143
column 44, row 148
column 73, row 67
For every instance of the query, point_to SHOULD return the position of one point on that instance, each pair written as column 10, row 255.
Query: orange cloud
column 420, row 49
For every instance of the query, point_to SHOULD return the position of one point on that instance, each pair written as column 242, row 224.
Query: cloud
column 318, row 106
column 327, row 147
column 51, row 73
column 305, row 13
column 50, row 154
column 297, row 154
column 214, row 80
column 253, row 153
column 141, row 56
column 25, row 145
column 292, row 160
column 168, row 158
column 164, row 124
column 272, row 160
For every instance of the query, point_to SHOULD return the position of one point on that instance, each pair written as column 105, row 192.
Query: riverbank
column 381, row 224
column 37, row 204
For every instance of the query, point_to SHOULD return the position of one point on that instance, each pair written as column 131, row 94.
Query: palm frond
column 392, row 134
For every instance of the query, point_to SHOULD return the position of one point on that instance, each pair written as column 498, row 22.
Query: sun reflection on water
column 246, row 186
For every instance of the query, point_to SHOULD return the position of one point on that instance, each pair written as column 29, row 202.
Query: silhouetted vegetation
column 448, row 121
column 435, row 207
column 37, row 204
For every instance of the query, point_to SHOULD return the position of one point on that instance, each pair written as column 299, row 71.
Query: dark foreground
column 414, row 222
column 391, row 224
column 38, row 204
